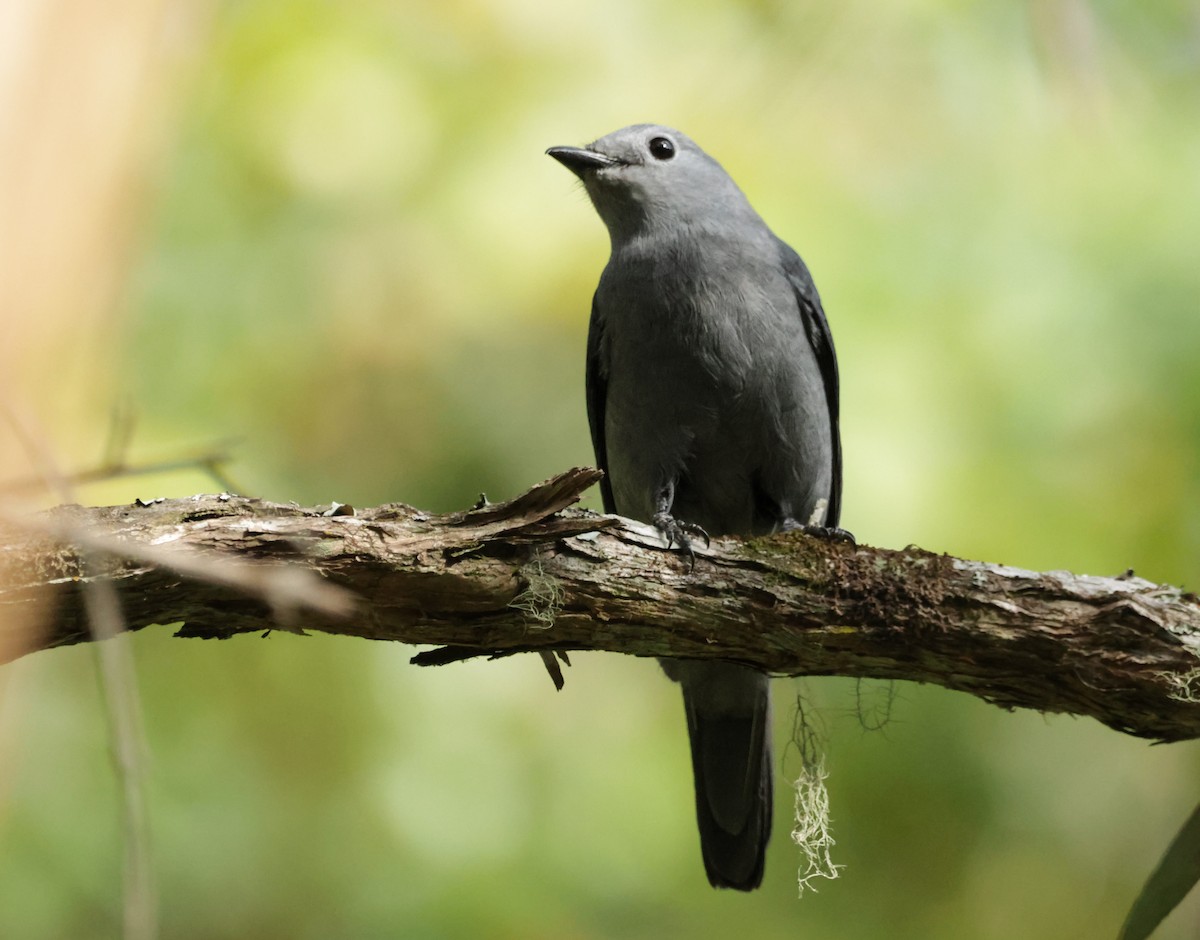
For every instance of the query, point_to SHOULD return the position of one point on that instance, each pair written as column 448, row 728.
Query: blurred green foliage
column 361, row 264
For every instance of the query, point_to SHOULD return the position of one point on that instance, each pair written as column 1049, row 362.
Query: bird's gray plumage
column 712, row 396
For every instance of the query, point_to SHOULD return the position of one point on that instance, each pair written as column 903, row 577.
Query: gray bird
column 712, row 395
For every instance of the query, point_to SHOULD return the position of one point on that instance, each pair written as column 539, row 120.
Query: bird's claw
column 829, row 533
column 680, row 534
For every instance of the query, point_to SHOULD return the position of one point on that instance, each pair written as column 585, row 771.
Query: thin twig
column 118, row 685
column 210, row 461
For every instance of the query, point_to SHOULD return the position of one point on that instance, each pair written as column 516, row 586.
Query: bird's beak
column 580, row 160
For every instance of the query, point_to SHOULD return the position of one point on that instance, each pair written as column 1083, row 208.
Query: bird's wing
column 597, row 393
column 817, row 329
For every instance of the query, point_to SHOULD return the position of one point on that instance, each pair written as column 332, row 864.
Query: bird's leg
column 675, row 531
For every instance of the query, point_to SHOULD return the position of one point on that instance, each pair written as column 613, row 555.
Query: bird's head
column 648, row 177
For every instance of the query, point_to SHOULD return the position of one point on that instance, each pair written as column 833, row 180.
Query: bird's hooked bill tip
column 579, row 159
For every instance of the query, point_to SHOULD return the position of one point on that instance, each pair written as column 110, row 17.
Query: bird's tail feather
column 728, row 714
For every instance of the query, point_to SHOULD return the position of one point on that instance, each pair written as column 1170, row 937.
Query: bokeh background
column 327, row 231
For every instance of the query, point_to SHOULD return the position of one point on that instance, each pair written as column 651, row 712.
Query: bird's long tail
column 729, row 722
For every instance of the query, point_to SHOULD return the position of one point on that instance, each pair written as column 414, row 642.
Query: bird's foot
column 829, row 533
column 680, row 534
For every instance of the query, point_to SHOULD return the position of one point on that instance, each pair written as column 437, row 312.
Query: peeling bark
column 531, row 575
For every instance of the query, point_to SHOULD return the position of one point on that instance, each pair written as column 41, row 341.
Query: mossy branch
column 532, row 575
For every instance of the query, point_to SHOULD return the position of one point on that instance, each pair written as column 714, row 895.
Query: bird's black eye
column 662, row 148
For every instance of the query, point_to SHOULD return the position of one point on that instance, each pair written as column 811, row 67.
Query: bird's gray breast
column 711, row 385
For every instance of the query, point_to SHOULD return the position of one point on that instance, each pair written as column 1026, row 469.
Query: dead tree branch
column 531, row 575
